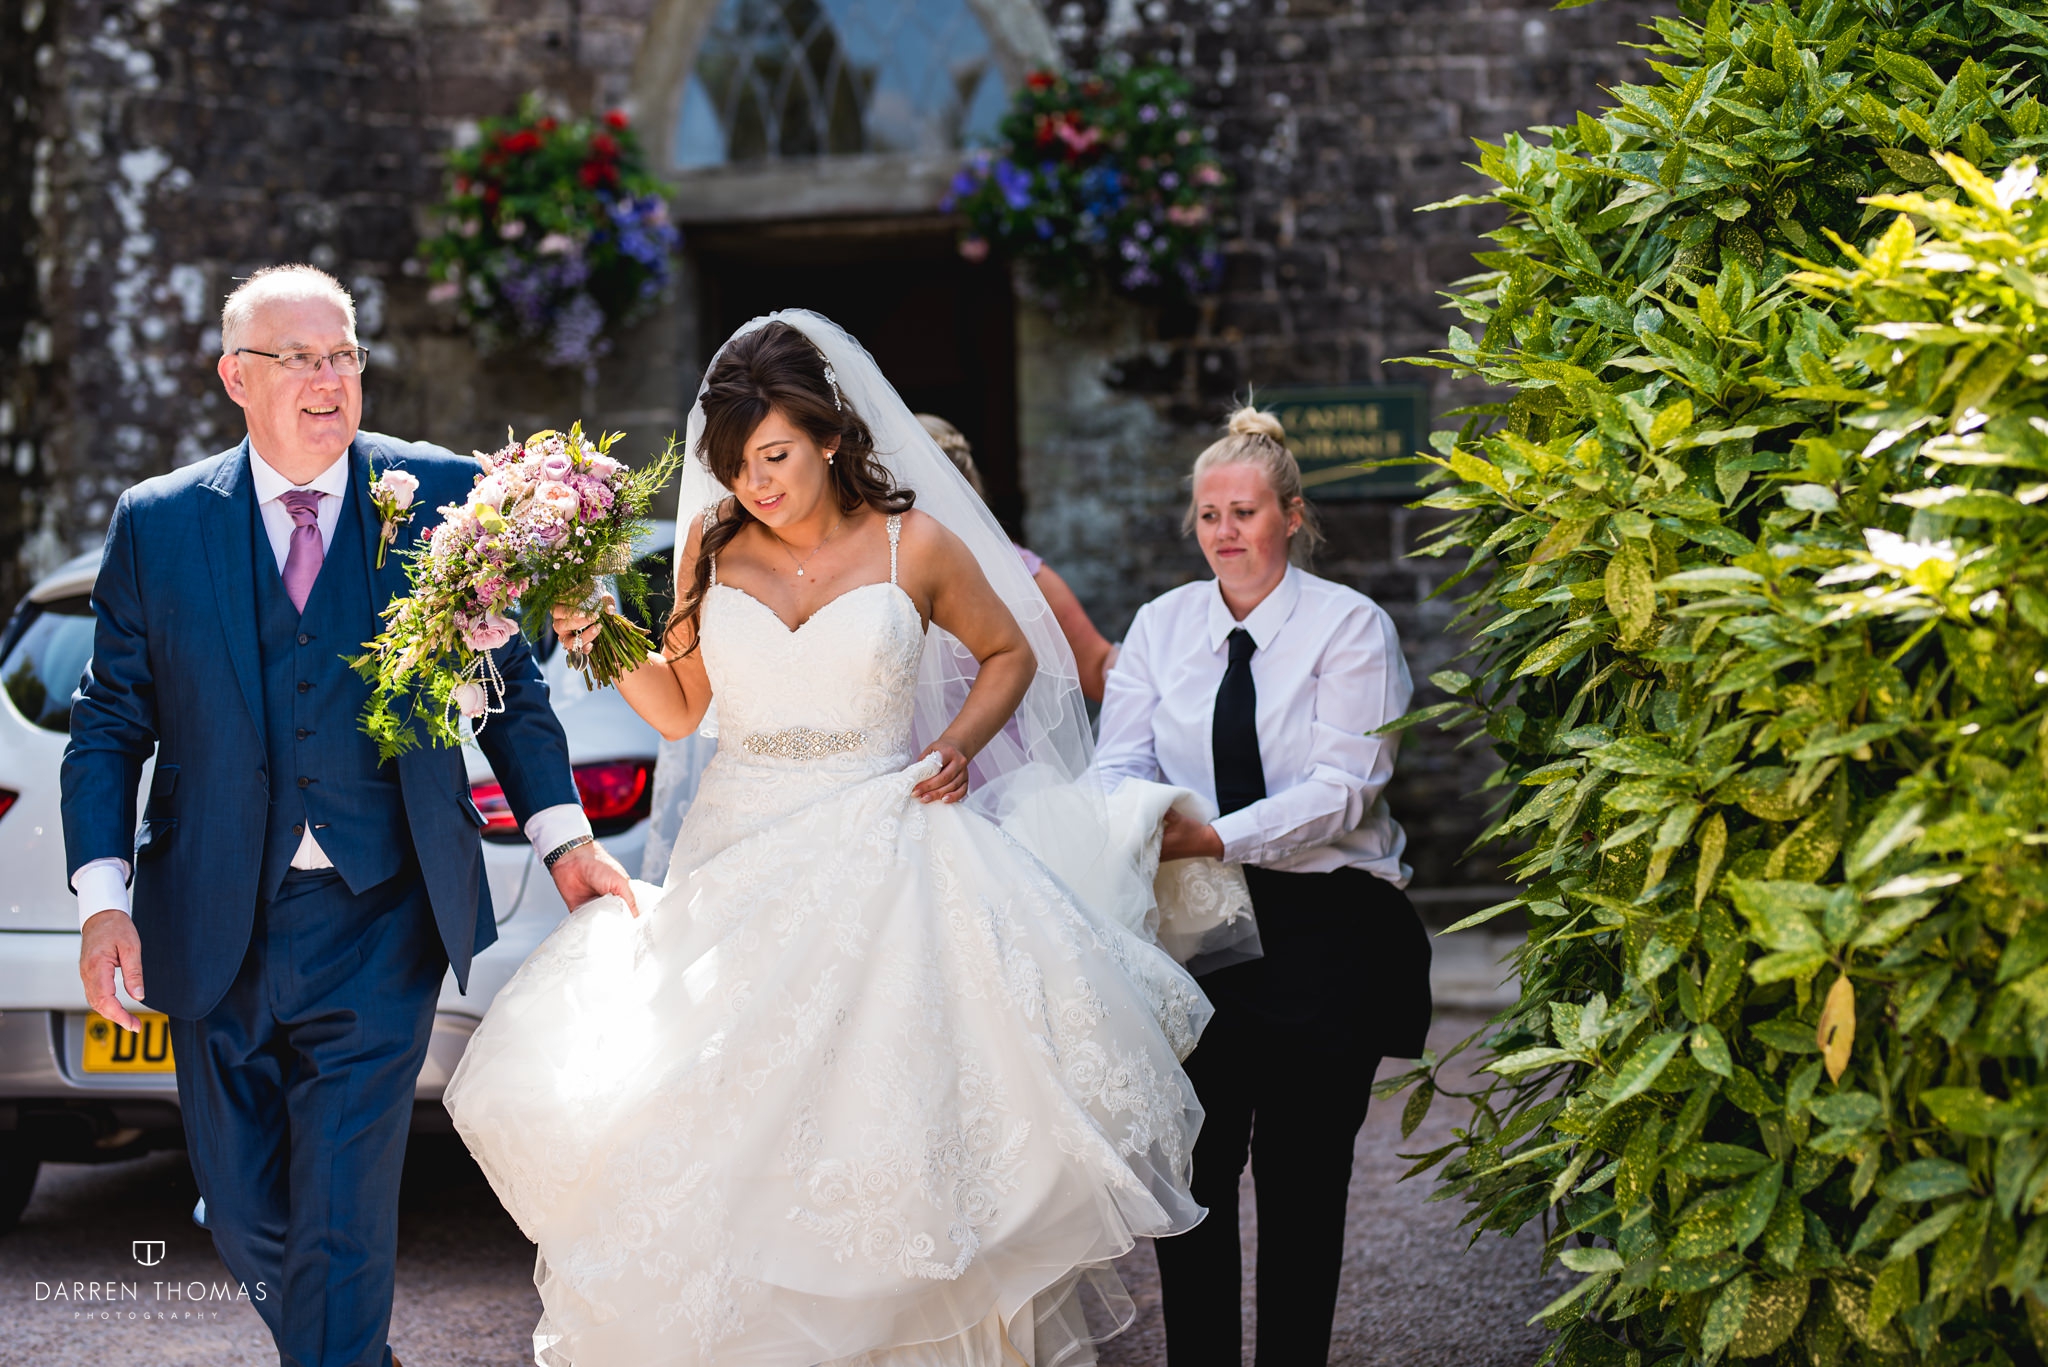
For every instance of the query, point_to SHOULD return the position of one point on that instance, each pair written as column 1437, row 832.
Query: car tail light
column 616, row 794
column 7, row 800
column 500, row 825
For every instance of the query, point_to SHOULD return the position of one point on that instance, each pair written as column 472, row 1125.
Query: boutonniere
column 391, row 494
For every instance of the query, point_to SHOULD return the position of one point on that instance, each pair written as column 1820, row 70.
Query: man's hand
column 587, row 872
column 1183, row 838
column 108, row 942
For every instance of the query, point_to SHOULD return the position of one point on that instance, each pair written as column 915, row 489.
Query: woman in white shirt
column 1261, row 687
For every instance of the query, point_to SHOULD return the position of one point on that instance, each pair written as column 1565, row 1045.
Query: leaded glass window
column 807, row 78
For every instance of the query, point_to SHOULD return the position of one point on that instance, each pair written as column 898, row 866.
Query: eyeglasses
column 349, row 361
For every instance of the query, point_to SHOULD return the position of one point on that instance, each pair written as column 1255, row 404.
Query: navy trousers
column 297, row 1091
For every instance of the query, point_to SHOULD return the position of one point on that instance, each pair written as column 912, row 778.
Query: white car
column 75, row 1089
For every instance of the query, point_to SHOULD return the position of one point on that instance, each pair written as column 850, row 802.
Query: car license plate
column 110, row 1049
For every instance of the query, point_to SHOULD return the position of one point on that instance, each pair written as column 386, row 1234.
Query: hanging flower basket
column 1100, row 178
column 553, row 234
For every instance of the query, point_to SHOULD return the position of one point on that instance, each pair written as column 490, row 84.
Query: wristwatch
column 567, row 845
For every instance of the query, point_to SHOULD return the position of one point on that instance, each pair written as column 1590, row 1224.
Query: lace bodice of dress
column 803, row 713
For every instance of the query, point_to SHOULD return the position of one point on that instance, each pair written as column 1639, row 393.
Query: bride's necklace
column 814, row 550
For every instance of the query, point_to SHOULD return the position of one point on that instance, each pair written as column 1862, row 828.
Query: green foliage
column 1758, row 565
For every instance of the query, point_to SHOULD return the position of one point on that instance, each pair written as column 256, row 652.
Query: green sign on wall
column 1333, row 432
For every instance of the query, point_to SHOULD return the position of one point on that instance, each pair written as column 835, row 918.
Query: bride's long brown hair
column 777, row 369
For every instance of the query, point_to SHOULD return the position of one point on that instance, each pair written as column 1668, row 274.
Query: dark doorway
column 943, row 329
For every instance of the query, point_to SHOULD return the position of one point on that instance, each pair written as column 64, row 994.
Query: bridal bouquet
column 545, row 518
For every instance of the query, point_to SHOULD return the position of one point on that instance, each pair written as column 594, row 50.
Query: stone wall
column 1338, row 118
column 179, row 146
column 26, row 405
column 157, row 149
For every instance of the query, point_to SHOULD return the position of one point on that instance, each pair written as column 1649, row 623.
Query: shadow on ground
column 1413, row 1294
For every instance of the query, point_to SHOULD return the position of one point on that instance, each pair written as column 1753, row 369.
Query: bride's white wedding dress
column 862, row 1084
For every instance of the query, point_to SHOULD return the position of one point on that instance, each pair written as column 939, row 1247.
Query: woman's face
column 1242, row 529
column 785, row 478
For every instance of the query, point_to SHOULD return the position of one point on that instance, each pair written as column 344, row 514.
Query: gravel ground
column 1413, row 1293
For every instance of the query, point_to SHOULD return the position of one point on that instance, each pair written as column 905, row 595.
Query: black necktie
column 1234, row 730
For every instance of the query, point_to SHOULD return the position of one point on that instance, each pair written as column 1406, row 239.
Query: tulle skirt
column 865, row 1085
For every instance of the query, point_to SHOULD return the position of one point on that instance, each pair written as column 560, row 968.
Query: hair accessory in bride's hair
column 832, row 383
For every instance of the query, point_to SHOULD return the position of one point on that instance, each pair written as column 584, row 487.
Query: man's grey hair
column 275, row 284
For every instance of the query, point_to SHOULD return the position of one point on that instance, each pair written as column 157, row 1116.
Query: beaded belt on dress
column 801, row 742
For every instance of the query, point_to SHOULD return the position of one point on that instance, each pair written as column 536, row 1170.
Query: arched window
column 779, row 79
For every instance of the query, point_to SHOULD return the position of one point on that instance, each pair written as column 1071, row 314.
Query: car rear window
column 660, row 569
column 46, row 649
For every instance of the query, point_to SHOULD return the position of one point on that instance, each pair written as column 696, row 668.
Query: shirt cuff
column 1239, row 834
column 101, row 885
column 552, row 826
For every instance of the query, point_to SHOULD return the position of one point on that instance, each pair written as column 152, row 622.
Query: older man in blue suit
column 295, row 903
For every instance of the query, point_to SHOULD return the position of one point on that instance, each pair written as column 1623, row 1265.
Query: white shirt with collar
column 1328, row 670
column 103, row 884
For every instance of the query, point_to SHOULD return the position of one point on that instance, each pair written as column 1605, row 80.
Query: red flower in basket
column 617, row 118
column 1041, row 80
column 605, row 145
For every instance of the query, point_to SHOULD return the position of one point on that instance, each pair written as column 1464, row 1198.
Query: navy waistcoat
column 323, row 771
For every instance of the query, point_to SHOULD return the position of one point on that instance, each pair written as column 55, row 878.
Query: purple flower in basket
column 966, row 181
column 575, row 338
column 1015, row 183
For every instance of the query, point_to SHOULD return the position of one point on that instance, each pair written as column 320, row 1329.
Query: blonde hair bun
column 1253, row 422
column 1257, row 439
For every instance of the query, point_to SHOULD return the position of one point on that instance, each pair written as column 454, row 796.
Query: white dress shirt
column 1328, row 670
column 103, row 884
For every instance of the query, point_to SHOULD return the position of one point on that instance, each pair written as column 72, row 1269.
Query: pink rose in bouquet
column 470, row 699
column 487, row 632
column 558, row 499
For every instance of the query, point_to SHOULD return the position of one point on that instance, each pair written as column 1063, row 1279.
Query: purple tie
column 302, row 562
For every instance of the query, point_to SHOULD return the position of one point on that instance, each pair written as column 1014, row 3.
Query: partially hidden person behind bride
column 862, row 1083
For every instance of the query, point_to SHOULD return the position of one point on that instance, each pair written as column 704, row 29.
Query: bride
column 865, row 1083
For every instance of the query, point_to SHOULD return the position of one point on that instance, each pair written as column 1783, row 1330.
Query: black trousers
column 1284, row 1072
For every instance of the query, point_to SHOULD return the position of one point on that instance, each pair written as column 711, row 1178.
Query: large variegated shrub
column 1759, row 571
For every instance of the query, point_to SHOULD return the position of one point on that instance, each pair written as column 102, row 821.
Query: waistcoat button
column 305, row 687
column 303, row 733
column 303, row 780
column 304, row 638
column 298, row 830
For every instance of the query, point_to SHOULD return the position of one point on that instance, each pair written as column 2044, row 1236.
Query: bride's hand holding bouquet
column 545, row 519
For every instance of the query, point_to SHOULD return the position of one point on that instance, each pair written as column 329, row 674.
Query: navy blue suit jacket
column 175, row 670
